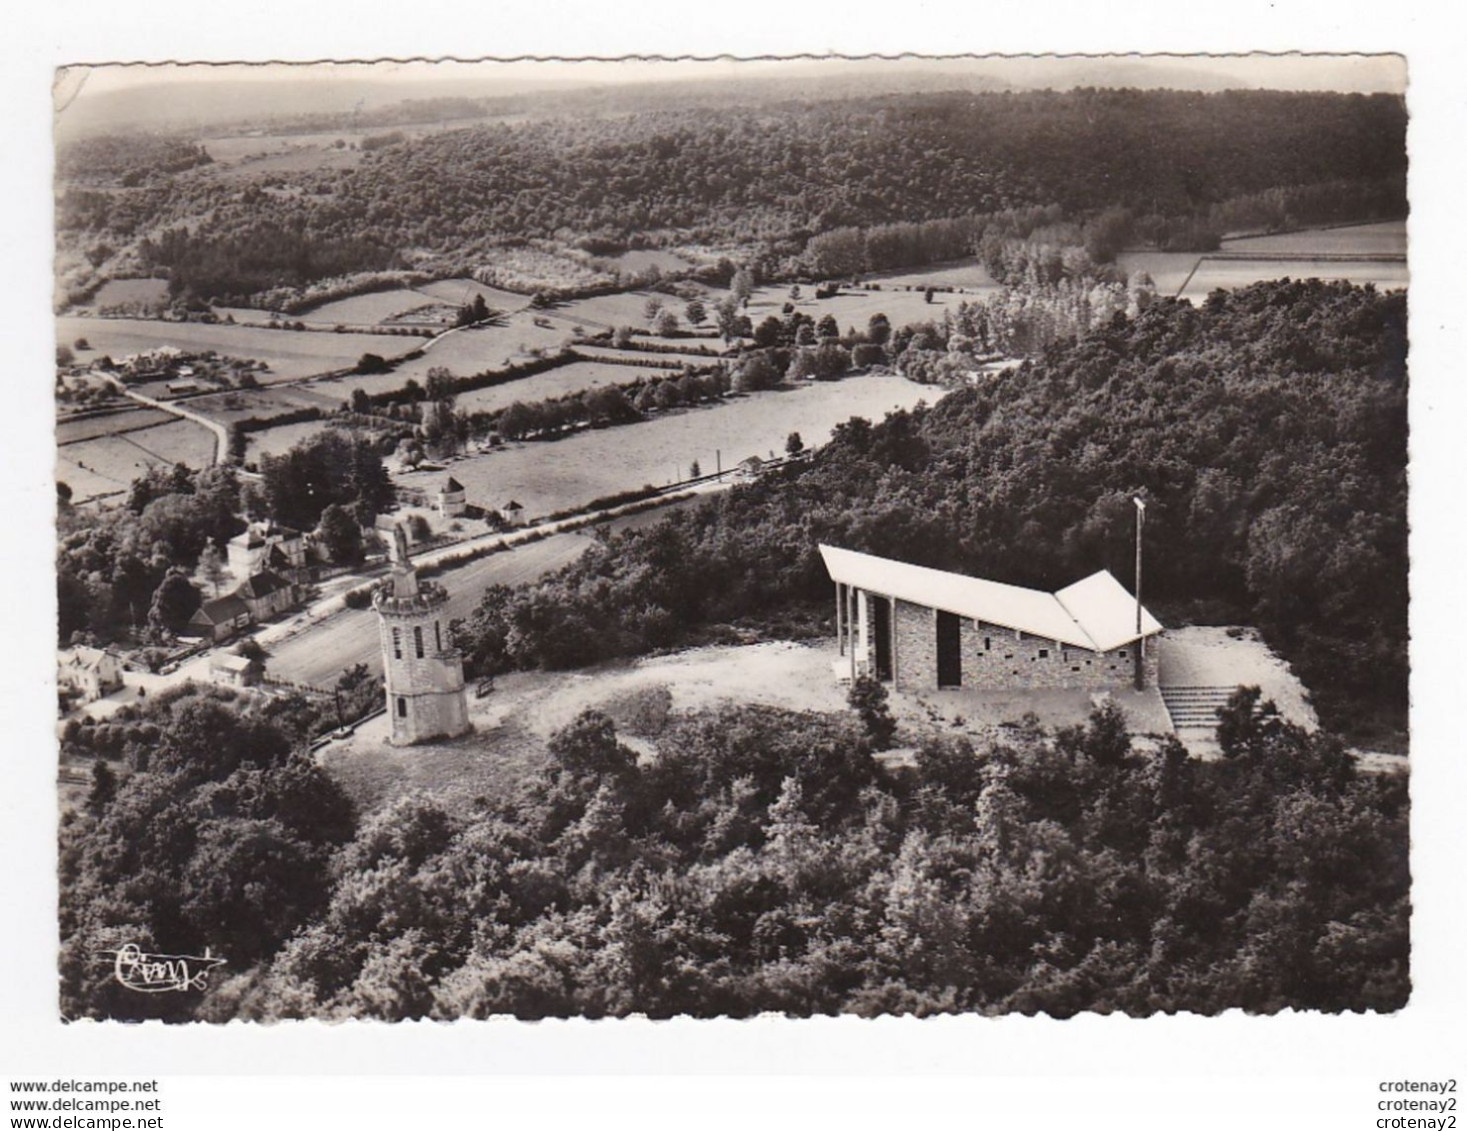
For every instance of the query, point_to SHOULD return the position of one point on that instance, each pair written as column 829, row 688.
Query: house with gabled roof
column 233, row 670
column 90, row 672
column 220, row 618
column 266, row 594
column 268, row 545
column 922, row 628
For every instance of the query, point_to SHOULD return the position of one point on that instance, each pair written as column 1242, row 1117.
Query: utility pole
column 1140, row 640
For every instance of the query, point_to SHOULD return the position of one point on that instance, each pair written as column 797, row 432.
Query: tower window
column 438, row 635
column 397, row 643
column 988, row 644
column 1044, row 653
column 401, row 707
column 418, row 639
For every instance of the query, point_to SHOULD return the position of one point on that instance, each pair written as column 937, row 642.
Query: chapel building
column 921, row 629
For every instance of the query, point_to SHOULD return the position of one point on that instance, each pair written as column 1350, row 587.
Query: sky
column 158, row 92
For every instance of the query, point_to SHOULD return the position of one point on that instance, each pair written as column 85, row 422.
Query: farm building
column 923, row 628
column 451, row 498
column 220, row 618
column 90, row 672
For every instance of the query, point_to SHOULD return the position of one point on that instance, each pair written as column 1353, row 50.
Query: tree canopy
column 1267, row 428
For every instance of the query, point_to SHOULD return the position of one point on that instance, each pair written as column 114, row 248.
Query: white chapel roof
column 1106, row 610
column 1096, row 613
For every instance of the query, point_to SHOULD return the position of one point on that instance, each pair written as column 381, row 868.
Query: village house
column 91, row 673
column 923, row 629
column 269, row 546
column 266, row 595
column 452, row 500
column 219, row 619
column 232, row 671
column 749, row 470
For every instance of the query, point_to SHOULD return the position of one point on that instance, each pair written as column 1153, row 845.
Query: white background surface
column 1090, row 1071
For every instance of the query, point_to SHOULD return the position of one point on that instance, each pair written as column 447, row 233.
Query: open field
column 368, row 309
column 470, row 351
column 101, row 467
column 71, row 431
column 291, row 354
column 107, row 464
column 115, row 292
column 240, row 404
column 1170, row 269
column 247, row 315
column 460, row 291
column 573, row 378
column 250, row 148
column 1230, row 274
column 318, row 655
column 966, row 273
column 178, row 441
column 546, row 476
column 1387, row 238
column 239, row 155
column 626, row 308
column 640, row 260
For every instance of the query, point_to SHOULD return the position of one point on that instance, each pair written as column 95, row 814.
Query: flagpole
column 1140, row 639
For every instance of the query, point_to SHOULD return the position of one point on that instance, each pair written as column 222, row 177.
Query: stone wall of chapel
column 998, row 658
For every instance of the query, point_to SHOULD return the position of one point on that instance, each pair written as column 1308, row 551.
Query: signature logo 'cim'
column 161, row 973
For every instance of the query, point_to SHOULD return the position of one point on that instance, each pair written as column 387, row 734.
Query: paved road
column 221, row 434
column 318, row 655
column 314, row 645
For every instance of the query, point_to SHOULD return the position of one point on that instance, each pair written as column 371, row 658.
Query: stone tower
column 424, row 674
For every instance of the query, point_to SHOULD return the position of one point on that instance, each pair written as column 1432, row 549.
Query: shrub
column 360, row 597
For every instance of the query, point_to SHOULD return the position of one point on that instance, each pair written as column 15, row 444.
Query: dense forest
column 762, row 861
column 1267, row 429
column 762, row 181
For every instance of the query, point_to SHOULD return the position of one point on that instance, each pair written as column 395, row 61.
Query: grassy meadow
column 547, row 476
column 291, row 354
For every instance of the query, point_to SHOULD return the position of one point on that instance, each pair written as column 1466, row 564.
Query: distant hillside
column 763, row 178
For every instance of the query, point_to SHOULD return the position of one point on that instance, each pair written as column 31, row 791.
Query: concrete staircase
column 1194, row 707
